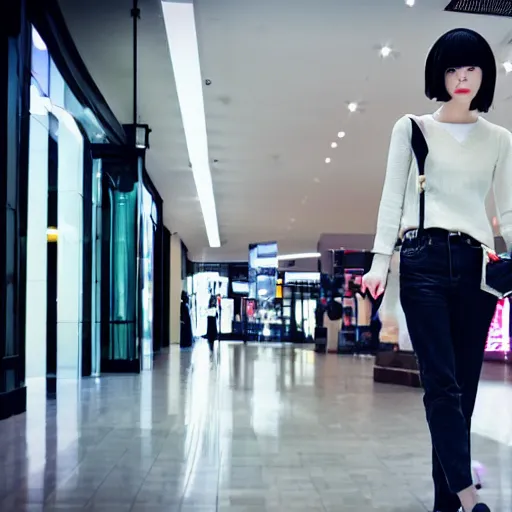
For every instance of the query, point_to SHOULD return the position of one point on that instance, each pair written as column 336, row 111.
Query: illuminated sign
column 499, row 332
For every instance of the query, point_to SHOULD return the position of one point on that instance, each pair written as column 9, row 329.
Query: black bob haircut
column 457, row 48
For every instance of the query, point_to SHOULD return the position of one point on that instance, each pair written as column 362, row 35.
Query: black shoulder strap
column 420, row 149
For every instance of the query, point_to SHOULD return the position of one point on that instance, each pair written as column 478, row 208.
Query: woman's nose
column 462, row 74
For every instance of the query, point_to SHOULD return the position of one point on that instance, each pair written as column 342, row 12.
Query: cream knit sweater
column 459, row 177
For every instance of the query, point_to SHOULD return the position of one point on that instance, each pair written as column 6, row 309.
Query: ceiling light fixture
column 410, row 3
column 180, row 26
column 341, row 135
column 327, row 160
column 352, row 106
column 298, row 256
column 385, row 51
column 507, row 65
column 334, row 145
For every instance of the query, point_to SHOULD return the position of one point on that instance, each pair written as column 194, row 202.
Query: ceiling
column 282, row 73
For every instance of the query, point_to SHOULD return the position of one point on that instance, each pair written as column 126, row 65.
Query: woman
column 448, row 316
column 211, row 327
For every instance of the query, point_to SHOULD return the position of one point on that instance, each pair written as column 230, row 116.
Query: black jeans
column 448, row 318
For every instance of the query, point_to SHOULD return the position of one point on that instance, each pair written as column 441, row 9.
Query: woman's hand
column 374, row 284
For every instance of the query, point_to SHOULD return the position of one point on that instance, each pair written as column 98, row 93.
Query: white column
column 35, row 358
column 69, row 265
column 175, row 288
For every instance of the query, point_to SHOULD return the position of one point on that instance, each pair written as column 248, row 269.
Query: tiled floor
column 257, row 429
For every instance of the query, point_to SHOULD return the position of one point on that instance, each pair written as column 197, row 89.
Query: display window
column 149, row 223
column 206, row 285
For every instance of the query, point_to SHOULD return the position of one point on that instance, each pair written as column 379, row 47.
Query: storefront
column 228, row 283
column 131, row 261
column 84, row 283
column 14, row 127
column 207, row 281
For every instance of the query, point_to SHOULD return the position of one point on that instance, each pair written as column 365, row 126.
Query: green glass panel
column 123, row 272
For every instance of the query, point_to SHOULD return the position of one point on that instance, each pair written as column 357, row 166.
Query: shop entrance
column 299, row 311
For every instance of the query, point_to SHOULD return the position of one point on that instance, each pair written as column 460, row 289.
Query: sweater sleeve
column 392, row 200
column 503, row 188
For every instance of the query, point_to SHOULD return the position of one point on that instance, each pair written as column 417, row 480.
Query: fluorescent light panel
column 298, row 256
column 182, row 37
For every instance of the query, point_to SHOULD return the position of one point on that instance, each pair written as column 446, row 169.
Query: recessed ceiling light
column 327, row 160
column 410, row 3
column 508, row 66
column 385, row 51
column 334, row 145
column 341, row 135
column 352, row 106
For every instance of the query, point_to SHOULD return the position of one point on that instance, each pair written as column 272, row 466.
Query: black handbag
column 496, row 274
column 496, row 270
column 334, row 310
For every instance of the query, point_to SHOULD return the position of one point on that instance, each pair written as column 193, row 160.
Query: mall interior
column 160, row 160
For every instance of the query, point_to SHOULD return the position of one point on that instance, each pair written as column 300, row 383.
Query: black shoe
column 481, row 507
column 448, row 504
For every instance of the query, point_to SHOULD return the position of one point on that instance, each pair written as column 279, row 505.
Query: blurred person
column 442, row 220
column 185, row 322
column 211, row 326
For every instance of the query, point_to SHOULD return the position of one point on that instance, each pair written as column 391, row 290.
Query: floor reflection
column 258, row 428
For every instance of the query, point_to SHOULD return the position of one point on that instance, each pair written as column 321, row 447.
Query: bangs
column 461, row 49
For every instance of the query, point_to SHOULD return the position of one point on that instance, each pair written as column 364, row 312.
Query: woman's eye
column 472, row 68
column 450, row 70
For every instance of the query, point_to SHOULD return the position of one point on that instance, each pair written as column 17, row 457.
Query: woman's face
column 463, row 83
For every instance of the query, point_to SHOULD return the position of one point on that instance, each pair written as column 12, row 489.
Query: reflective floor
column 255, row 429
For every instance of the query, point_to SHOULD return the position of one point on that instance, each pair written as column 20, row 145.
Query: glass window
column 123, row 288
column 40, row 63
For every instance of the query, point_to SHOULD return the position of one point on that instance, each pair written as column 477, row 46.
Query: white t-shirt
column 464, row 165
column 459, row 131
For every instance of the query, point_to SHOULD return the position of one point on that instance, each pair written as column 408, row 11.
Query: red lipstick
column 462, row 91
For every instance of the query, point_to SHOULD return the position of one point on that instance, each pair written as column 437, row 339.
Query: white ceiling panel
column 282, row 73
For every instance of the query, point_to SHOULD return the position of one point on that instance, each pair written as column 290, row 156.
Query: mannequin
column 447, row 314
